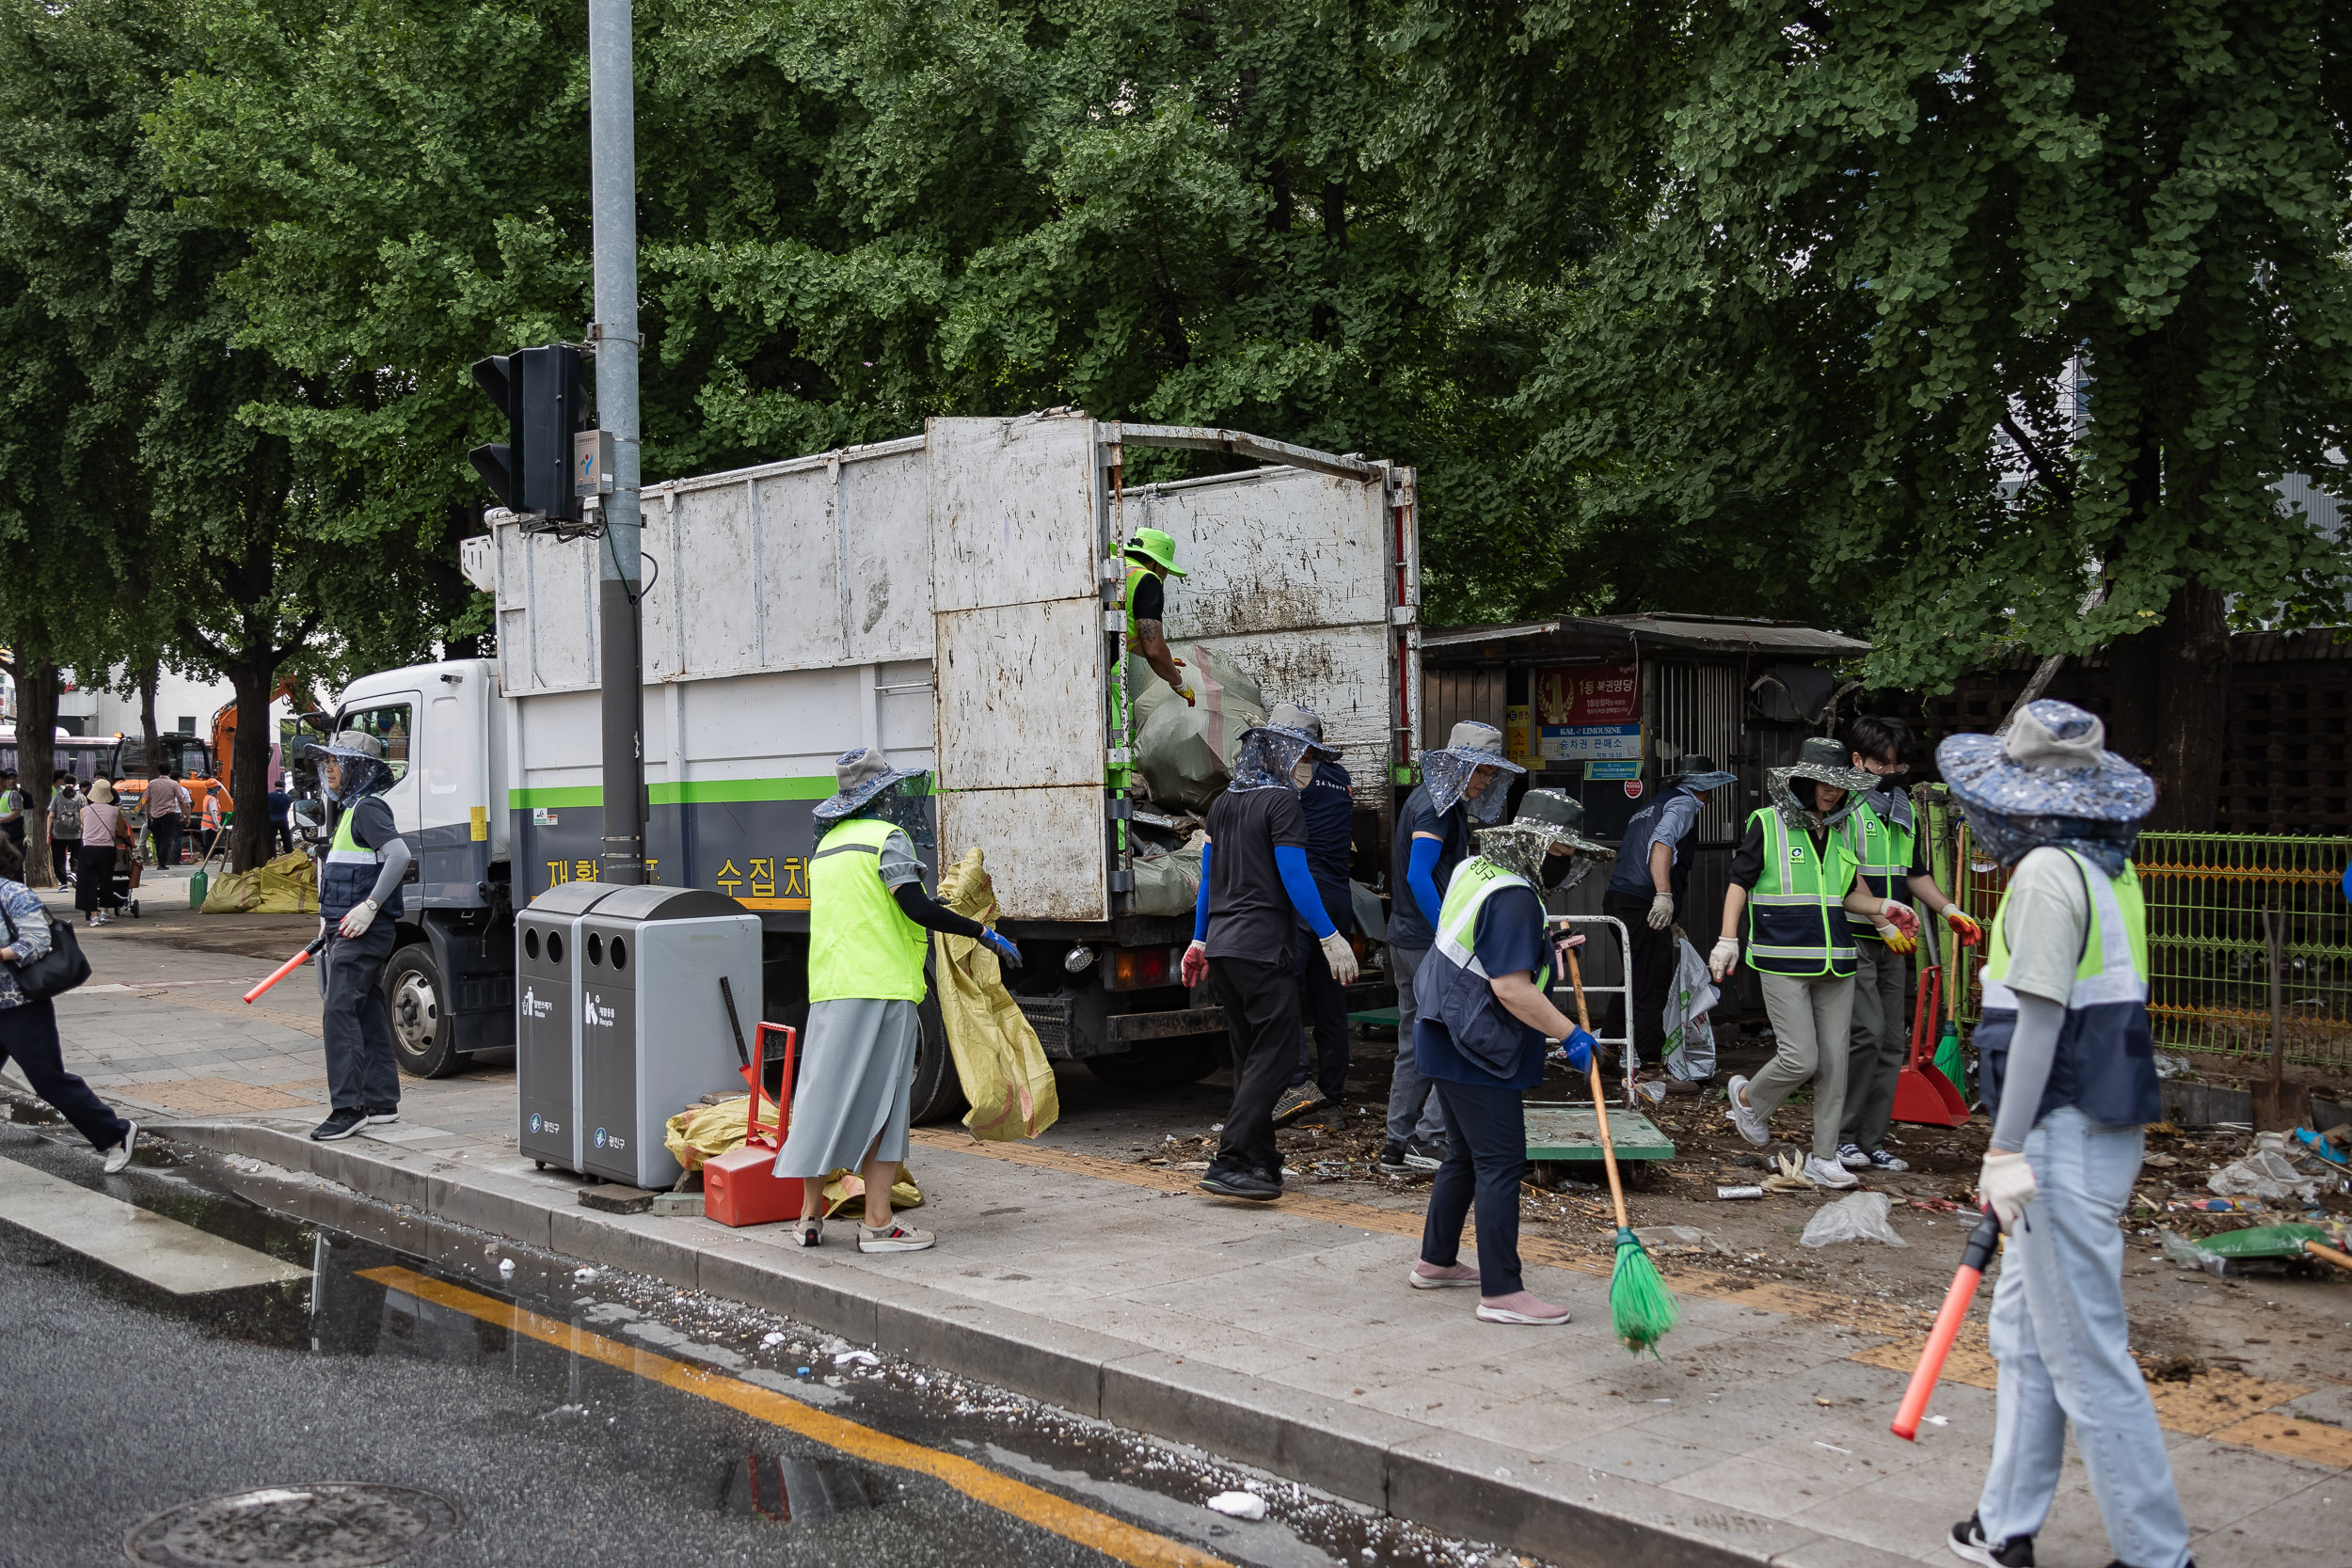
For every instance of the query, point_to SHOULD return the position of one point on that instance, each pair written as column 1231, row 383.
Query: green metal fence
column 2209, row 947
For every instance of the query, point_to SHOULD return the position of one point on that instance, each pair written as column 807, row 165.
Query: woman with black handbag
column 28, row 1023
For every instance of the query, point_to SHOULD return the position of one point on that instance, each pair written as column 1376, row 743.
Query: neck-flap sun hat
column 2049, row 780
column 1698, row 772
column 858, row 777
column 1268, row 752
column 1823, row 760
column 1448, row 770
column 361, row 769
column 1152, row 547
column 1547, row 819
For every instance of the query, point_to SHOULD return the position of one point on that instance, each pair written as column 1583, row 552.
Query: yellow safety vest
column 1796, row 911
column 860, row 943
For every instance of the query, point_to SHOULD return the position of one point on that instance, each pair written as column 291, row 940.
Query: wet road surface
column 535, row 1413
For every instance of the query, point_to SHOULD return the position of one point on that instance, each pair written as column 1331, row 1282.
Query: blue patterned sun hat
column 858, row 777
column 2053, row 763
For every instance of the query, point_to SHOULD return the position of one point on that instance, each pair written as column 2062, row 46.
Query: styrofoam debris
column 581, row 1277
column 772, row 1339
column 1238, row 1505
column 506, row 1265
column 856, row 1357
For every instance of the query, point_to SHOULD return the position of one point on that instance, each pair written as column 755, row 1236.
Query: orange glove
column 1964, row 931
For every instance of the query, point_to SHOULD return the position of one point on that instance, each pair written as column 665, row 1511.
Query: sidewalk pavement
column 1282, row 1336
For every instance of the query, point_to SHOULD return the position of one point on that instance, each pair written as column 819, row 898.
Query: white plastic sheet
column 1856, row 1217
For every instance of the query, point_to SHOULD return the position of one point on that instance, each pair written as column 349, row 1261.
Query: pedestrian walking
column 1892, row 860
column 867, row 911
column 1794, row 879
column 2069, row 1077
column 1329, row 805
column 280, row 825
column 28, row 1026
column 166, row 805
column 1649, row 889
column 12, row 811
column 1460, row 784
column 360, row 909
column 103, row 830
column 65, row 827
column 1479, row 1037
column 1256, row 890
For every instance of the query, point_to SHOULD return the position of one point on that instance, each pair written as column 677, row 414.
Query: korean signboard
column 1589, row 713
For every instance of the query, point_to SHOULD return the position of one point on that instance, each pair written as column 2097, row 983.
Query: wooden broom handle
column 1607, row 1150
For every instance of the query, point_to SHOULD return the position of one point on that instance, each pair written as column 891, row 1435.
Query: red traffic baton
column 289, row 966
column 1947, row 1320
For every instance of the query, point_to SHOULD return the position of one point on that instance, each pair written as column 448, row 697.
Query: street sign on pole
column 613, row 208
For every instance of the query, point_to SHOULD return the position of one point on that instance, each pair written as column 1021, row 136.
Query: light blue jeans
column 2060, row 1335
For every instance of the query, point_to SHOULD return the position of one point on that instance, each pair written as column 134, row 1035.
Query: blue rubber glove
column 1201, row 902
column 1299, row 883
column 1002, row 947
column 1578, row 1049
column 1421, row 875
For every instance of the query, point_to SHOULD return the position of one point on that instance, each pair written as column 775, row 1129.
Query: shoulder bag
column 56, row 971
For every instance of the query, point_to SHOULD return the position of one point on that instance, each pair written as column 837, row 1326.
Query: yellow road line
column 1113, row 1538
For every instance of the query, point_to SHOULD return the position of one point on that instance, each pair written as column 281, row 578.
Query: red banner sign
column 1589, row 694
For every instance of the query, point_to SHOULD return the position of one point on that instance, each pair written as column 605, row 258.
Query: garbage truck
column 955, row 598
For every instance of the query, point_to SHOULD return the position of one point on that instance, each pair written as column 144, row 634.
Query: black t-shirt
column 1249, row 911
column 371, row 825
column 1407, row 925
column 1747, row 863
column 1151, row 599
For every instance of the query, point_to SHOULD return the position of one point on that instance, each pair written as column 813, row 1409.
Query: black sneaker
column 1425, row 1153
column 377, row 1119
column 342, row 1124
column 1392, row 1159
column 1969, row 1545
column 1241, row 1183
column 1296, row 1102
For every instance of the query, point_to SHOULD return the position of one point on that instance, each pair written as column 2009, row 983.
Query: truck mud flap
column 1127, row 1029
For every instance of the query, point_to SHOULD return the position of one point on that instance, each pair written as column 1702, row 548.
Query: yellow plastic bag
column 701, row 1132
column 998, row 1057
column 287, row 885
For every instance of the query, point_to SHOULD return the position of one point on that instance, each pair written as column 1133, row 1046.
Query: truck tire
column 424, row 1037
column 1160, row 1065
column 938, row 1093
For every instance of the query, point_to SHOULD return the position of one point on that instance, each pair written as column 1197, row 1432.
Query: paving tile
column 1761, row 1486
column 1634, row 1453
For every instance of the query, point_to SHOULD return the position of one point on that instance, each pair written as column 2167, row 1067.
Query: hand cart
column 1560, row 1131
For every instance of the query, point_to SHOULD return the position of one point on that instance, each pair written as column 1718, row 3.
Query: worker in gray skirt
column 867, row 915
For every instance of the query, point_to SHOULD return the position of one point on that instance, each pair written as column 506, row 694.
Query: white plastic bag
column 1690, row 1037
column 2264, row 1173
column 1856, row 1217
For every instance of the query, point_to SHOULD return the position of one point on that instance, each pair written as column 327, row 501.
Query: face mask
column 1304, row 774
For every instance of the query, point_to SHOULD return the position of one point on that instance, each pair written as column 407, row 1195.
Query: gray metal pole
column 612, row 135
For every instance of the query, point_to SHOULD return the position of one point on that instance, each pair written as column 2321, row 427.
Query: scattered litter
column 2264, row 1173
column 1832, row 1447
column 565, row 1410
column 1730, row 1192
column 581, row 1277
column 1238, row 1505
column 1856, row 1217
column 1937, row 1420
column 1753, row 1162
column 857, row 1358
column 2159, row 1161
column 1678, row 1240
column 1653, row 1091
column 2170, row 1066
column 1789, row 1177
column 772, row 1339
column 506, row 1265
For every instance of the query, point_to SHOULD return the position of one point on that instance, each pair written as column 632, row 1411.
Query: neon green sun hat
column 1152, row 547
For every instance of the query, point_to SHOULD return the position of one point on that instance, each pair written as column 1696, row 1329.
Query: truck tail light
column 1138, row 968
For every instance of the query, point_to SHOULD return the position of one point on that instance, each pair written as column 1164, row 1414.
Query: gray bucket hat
column 2053, row 762
column 1301, row 724
column 1698, row 772
column 1265, row 753
column 1449, row 768
column 858, row 777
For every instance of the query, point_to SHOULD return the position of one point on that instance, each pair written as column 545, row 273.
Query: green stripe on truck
column 694, row 792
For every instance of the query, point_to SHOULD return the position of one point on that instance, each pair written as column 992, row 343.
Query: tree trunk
column 148, row 679
column 2192, row 702
column 36, row 759
column 248, row 765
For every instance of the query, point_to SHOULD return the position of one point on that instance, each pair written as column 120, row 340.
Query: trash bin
column 653, row 1023
column 546, row 1021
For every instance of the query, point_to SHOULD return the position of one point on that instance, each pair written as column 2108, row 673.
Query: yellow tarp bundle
column 1004, row 1069
column 287, row 885
column 701, row 1132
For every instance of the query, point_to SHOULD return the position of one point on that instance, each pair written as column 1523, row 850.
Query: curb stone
column 1450, row 1481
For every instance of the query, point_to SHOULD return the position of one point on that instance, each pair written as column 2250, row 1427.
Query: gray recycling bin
column 653, row 1026
column 546, row 1021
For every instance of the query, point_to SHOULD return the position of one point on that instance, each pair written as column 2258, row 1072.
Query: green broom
column 1640, row 1307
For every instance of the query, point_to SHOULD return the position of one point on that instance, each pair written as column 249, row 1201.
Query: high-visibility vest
column 1796, row 911
column 860, row 943
column 1883, row 848
column 1135, row 578
column 2107, row 1056
column 347, row 874
column 1453, row 987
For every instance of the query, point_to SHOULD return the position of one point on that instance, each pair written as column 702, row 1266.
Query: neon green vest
column 1882, row 851
column 860, row 943
column 2109, row 969
column 1796, row 911
column 1473, row 882
column 1135, row 576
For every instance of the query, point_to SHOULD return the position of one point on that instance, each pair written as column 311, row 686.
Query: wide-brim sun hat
column 2053, row 762
column 1826, row 761
column 858, row 777
column 1555, row 817
column 1294, row 722
column 1696, row 770
column 1157, row 548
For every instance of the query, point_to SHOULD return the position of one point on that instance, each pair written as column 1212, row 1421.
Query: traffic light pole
column 612, row 135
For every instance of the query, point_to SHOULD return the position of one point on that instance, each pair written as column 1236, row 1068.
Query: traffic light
column 544, row 394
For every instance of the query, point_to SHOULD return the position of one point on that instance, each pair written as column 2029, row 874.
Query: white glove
column 1725, row 958
column 1341, row 956
column 356, row 924
column 2007, row 1185
column 1661, row 912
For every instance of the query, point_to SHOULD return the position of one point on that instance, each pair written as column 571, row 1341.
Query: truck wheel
column 424, row 1037
column 1162, row 1065
column 938, row 1093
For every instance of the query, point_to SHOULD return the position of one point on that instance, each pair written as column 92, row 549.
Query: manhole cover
column 318, row 1525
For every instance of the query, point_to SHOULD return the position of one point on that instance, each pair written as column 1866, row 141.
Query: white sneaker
column 119, row 1156
column 897, row 1236
column 1829, row 1173
column 1746, row 1118
column 1851, row 1157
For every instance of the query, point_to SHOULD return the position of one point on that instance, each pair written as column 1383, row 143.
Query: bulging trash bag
column 1855, row 1217
column 1187, row 753
column 1690, row 1037
column 287, row 885
column 1209, row 674
column 2264, row 1173
column 999, row 1058
column 1171, row 883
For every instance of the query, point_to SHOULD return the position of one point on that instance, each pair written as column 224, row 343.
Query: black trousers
column 1323, row 1006
column 61, row 853
column 94, row 879
column 282, row 837
column 1485, row 1156
column 1653, row 962
column 362, row 1073
column 163, row 835
column 1261, row 1001
column 28, row 1035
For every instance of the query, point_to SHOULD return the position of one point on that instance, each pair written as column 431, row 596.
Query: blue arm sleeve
column 1421, row 875
column 1299, row 883
column 1200, row 904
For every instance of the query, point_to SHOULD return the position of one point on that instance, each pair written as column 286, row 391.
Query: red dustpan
column 1922, row 1094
